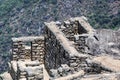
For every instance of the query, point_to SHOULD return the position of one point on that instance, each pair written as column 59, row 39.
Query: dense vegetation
column 26, row 17
column 104, row 14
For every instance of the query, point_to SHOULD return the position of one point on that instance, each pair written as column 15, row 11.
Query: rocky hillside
column 26, row 17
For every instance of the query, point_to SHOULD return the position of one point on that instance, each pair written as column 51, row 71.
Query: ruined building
column 69, row 50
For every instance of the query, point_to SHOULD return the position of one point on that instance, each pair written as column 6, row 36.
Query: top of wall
column 27, row 38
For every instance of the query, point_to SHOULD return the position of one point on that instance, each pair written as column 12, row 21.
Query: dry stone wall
column 60, row 51
column 80, row 43
column 77, row 30
column 38, row 50
column 18, row 50
column 75, row 26
column 26, row 70
column 35, row 51
column 55, row 53
column 69, row 29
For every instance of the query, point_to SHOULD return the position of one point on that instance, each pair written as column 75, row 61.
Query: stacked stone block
column 18, row 50
column 38, row 75
column 38, row 50
column 27, row 54
column 80, row 43
column 22, row 52
column 77, row 63
column 35, row 52
column 26, row 70
column 70, row 29
column 55, row 53
column 14, row 51
column 21, row 73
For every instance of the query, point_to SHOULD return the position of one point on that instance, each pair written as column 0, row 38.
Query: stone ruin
column 27, row 58
column 69, row 50
column 28, row 48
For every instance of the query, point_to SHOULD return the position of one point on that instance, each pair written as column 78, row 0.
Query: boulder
column 53, row 73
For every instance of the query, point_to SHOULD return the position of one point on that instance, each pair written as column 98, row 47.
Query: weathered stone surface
column 108, row 63
column 105, row 76
column 54, row 73
column 65, row 67
column 73, row 64
column 26, row 69
column 71, row 77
